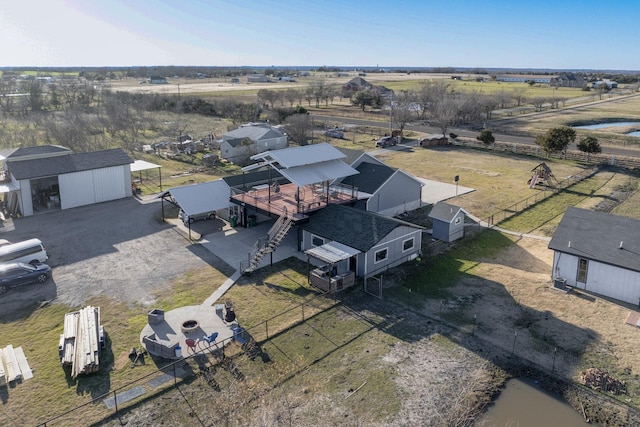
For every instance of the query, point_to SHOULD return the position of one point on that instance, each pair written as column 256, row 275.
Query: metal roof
column 445, row 212
column 197, row 199
column 302, row 155
column 304, row 165
column 141, row 165
column 332, row 252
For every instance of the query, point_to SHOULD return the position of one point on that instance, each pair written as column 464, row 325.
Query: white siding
column 76, row 189
column 109, row 184
column 603, row 279
column 94, row 186
column 26, row 203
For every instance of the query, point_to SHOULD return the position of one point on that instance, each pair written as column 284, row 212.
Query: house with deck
column 598, row 252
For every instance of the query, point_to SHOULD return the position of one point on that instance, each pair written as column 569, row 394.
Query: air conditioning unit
column 560, row 283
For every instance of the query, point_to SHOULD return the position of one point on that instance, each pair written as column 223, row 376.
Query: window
column 583, row 266
column 407, row 245
column 317, row 241
column 381, row 255
column 458, row 221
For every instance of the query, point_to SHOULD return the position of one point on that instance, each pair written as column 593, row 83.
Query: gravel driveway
column 121, row 249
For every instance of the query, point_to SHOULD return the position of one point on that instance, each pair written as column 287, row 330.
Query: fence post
column 302, row 311
column 115, row 400
column 553, row 367
column 515, row 335
column 266, row 328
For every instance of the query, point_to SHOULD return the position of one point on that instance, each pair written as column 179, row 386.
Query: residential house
column 373, row 242
column 568, row 80
column 599, row 253
column 383, row 189
column 239, row 145
column 158, row 80
column 358, row 84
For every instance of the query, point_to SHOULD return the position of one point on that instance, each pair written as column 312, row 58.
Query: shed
column 598, row 252
column 62, row 180
column 448, row 221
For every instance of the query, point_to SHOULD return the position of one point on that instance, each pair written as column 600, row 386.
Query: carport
column 141, row 165
column 337, row 269
column 198, row 199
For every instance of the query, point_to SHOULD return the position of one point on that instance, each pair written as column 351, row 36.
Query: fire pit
column 189, row 326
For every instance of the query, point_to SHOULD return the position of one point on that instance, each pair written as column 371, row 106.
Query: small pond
column 522, row 403
column 611, row 124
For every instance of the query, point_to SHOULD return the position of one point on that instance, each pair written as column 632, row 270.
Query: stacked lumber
column 81, row 341
column 13, row 365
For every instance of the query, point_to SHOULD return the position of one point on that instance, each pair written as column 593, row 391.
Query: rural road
column 501, row 137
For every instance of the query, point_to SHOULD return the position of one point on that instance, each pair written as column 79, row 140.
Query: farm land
column 396, row 361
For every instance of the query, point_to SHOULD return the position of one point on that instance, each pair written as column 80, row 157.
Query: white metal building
column 50, row 177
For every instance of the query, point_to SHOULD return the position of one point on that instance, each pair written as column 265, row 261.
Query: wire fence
column 172, row 373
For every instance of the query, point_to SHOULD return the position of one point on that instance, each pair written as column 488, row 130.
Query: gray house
column 374, row 242
column 239, row 145
column 51, row 177
column 598, row 252
column 385, row 190
column 448, row 221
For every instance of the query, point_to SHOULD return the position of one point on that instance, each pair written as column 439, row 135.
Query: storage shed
column 448, row 221
column 58, row 179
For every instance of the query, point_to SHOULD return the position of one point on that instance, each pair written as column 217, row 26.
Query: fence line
column 259, row 332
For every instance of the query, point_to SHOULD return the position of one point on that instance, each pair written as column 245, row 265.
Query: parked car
column 387, row 141
column 18, row 273
column 186, row 219
column 334, row 133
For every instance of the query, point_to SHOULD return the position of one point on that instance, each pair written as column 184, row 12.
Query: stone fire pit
column 189, row 326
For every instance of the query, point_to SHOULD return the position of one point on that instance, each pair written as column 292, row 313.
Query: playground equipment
column 542, row 175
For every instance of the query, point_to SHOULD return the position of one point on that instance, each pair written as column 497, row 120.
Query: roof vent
column 569, row 243
column 621, row 244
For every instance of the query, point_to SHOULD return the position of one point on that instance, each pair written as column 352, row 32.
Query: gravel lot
column 121, row 249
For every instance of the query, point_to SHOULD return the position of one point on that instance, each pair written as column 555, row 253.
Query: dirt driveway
column 121, row 249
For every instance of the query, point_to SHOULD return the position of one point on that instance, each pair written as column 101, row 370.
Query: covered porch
column 336, row 267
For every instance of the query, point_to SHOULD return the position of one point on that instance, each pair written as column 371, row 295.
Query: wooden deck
column 292, row 201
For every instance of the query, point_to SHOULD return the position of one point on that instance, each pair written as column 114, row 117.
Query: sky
column 548, row 34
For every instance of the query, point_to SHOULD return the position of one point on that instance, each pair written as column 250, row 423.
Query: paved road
column 501, row 137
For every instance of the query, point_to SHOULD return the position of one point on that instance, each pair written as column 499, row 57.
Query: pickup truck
column 387, row 141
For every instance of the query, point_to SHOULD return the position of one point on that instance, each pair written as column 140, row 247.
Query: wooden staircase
column 269, row 243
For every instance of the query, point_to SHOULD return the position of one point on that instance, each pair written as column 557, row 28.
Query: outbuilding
column 448, row 222
column 599, row 253
column 51, row 177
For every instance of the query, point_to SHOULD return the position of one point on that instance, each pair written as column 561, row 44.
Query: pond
column 610, row 124
column 522, row 403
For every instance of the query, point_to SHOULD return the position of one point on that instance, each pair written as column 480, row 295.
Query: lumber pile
column 602, row 381
column 13, row 365
column 81, row 341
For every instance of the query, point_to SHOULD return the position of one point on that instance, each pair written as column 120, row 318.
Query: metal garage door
column 93, row 186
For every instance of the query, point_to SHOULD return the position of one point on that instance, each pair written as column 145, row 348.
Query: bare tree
column 518, row 95
column 299, row 128
column 445, row 114
column 291, row 94
column 538, row 102
column 429, row 94
column 402, row 111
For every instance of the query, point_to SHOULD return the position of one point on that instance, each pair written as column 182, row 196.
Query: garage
column 67, row 180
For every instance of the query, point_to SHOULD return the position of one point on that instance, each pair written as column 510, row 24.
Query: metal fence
column 176, row 372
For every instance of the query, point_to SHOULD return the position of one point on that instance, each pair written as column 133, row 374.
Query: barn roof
column 610, row 239
column 59, row 165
